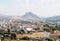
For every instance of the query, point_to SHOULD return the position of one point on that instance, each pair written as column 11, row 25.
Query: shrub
column 25, row 38
column 2, row 38
column 59, row 37
column 49, row 39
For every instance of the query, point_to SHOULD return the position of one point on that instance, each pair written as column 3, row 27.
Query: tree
column 8, row 30
column 46, row 25
column 45, row 29
column 57, row 27
column 13, row 36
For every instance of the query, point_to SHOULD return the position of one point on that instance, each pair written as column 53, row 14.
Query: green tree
column 8, row 30
column 13, row 36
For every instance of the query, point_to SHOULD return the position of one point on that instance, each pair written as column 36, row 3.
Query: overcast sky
column 42, row 8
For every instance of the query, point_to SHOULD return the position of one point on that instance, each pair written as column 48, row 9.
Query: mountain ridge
column 29, row 16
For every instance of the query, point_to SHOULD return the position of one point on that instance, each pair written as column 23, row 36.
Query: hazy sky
column 42, row 8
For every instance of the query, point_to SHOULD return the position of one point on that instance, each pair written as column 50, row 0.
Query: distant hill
column 29, row 16
column 53, row 19
column 4, row 17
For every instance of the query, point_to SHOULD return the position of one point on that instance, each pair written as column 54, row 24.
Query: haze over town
column 42, row 8
column 29, row 20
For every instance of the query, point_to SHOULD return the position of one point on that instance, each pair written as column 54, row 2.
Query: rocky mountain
column 29, row 16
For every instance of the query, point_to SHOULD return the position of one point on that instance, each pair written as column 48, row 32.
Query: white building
column 29, row 29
